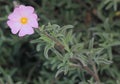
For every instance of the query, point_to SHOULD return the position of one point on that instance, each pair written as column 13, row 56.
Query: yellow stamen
column 24, row 20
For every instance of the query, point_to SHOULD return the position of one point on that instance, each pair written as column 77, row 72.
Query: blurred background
column 20, row 63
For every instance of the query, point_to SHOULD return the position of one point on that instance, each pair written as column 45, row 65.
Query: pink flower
column 23, row 20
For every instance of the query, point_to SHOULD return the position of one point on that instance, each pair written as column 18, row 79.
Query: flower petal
column 26, row 29
column 26, row 10
column 33, row 20
column 33, row 15
column 14, row 26
column 15, row 16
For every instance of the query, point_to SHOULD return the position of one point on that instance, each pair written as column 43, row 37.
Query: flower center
column 24, row 20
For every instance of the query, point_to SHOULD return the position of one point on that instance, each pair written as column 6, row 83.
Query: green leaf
column 64, row 28
column 1, row 81
column 9, row 80
column 46, row 39
column 35, row 41
column 58, row 72
column 91, row 44
column 47, row 48
column 38, row 48
column 19, row 83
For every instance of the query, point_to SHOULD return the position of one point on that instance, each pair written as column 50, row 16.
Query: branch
column 58, row 43
column 86, row 68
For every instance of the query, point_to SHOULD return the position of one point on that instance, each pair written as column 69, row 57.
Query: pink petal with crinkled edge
column 14, row 26
column 26, row 10
column 33, row 20
column 26, row 29
column 15, row 16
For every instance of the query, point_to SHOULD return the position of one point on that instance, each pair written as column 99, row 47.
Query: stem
column 77, row 61
column 32, row 71
column 93, row 73
column 96, row 73
column 58, row 43
column 90, row 72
